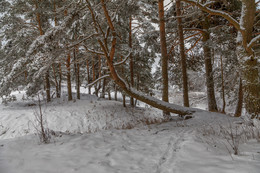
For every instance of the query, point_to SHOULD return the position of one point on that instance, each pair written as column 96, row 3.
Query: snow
column 89, row 138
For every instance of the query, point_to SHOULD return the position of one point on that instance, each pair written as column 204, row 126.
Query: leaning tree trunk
column 162, row 105
column 183, row 57
column 212, row 104
column 165, row 96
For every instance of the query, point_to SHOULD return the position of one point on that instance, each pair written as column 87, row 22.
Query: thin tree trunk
column 124, row 100
column 103, row 93
column 123, row 71
column 222, row 85
column 115, row 93
column 183, row 57
column 239, row 99
column 48, row 86
column 109, row 95
column 76, row 71
column 56, row 81
column 88, row 73
column 69, row 78
column 138, row 85
column 94, row 75
column 60, row 77
column 131, row 60
column 165, row 96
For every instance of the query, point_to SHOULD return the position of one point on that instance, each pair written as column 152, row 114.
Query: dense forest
column 112, row 46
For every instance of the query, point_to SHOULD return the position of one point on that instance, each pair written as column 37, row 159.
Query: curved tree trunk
column 162, row 105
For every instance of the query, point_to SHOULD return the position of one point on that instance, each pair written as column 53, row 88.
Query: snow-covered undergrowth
column 90, row 114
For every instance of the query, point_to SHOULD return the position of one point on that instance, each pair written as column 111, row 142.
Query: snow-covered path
column 136, row 150
column 164, row 148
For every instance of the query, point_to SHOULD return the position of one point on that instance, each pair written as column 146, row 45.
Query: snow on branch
column 121, row 62
column 82, row 40
column 204, row 8
column 253, row 42
column 93, row 51
column 95, row 81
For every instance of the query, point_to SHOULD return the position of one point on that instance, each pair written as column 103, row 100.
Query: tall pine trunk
column 248, row 61
column 222, row 86
column 164, row 58
column 76, row 72
column 47, row 80
column 212, row 104
column 131, row 60
column 183, row 57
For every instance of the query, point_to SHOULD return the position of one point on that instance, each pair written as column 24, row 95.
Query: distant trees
column 103, row 43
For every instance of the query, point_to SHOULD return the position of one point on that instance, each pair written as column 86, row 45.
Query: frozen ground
column 194, row 145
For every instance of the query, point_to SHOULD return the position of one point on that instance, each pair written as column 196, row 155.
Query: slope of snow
column 90, row 114
column 178, row 146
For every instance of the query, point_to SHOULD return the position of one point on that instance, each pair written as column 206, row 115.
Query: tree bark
column 212, row 105
column 115, row 93
column 48, row 86
column 239, row 106
column 164, row 58
column 60, row 78
column 222, row 86
column 47, row 80
column 56, row 81
column 131, row 60
column 88, row 73
column 69, row 78
column 248, row 61
column 76, row 73
column 183, row 57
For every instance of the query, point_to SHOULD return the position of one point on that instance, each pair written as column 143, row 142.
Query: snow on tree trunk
column 248, row 62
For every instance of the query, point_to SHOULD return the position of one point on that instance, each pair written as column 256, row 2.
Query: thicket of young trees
column 111, row 45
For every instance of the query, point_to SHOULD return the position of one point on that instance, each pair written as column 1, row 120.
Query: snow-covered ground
column 95, row 135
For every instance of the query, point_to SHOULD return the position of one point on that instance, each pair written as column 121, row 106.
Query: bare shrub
column 42, row 131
